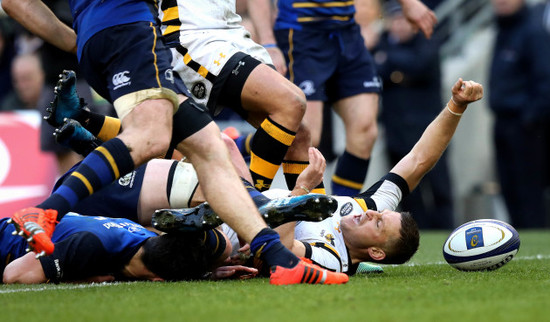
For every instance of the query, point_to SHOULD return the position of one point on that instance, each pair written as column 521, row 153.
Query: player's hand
column 240, row 258
column 237, row 271
column 312, row 175
column 466, row 92
column 278, row 59
column 419, row 15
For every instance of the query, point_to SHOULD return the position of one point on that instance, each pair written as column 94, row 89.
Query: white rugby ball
column 484, row 244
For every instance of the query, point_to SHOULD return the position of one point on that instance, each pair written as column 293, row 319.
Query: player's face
column 371, row 228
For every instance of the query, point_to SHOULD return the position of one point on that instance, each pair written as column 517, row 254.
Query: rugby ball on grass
column 484, row 244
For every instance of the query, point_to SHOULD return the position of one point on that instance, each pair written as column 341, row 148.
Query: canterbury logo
column 121, row 79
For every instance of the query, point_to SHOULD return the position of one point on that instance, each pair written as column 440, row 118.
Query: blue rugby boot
column 66, row 103
column 310, row 207
column 368, row 268
column 74, row 136
column 199, row 218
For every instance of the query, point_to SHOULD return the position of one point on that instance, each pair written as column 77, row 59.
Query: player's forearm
column 438, row 134
column 260, row 12
column 36, row 17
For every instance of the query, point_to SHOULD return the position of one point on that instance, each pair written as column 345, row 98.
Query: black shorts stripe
column 171, row 179
column 165, row 4
column 194, row 65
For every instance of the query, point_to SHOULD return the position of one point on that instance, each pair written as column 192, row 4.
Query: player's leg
column 359, row 116
column 354, row 89
column 276, row 107
column 68, row 105
column 146, row 114
column 297, row 158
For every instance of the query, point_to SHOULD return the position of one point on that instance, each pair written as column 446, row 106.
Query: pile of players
column 88, row 230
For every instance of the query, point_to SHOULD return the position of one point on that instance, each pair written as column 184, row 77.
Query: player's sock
column 267, row 246
column 319, row 189
column 268, row 148
column 291, row 171
column 101, row 126
column 349, row 175
column 257, row 196
column 243, row 143
column 101, row 167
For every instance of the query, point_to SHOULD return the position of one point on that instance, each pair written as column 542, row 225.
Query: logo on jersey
column 121, row 79
column 127, row 180
column 235, row 71
column 346, row 209
column 330, row 238
column 374, row 83
column 307, row 87
column 199, row 90
column 169, row 75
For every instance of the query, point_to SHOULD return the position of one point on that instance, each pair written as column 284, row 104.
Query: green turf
column 425, row 290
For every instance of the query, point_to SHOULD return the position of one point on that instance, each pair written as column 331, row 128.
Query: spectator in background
column 519, row 96
column 7, row 52
column 409, row 66
column 28, row 81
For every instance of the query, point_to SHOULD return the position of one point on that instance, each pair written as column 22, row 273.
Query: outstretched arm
column 427, row 151
column 37, row 18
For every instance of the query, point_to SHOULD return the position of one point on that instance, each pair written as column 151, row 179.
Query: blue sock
column 100, row 168
column 268, row 247
column 243, row 143
column 349, row 175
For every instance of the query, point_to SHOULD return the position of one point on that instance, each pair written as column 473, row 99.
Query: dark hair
column 400, row 250
column 176, row 256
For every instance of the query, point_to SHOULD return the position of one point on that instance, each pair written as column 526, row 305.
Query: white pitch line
column 94, row 285
column 521, row 258
column 60, row 287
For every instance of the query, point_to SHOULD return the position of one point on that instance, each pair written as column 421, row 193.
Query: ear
column 376, row 253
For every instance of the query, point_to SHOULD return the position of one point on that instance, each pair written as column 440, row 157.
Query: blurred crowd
column 409, row 67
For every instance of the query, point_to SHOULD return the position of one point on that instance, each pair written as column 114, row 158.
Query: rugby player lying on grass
column 365, row 227
column 98, row 249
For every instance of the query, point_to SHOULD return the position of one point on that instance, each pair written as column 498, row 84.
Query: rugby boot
column 310, row 207
column 305, row 272
column 74, row 136
column 367, row 268
column 36, row 226
column 199, row 218
column 66, row 103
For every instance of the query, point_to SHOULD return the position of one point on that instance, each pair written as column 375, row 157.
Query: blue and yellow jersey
column 92, row 16
column 320, row 14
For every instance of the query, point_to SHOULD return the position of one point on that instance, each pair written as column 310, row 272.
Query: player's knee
column 291, row 108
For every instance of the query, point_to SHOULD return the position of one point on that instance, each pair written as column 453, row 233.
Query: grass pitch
column 426, row 289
